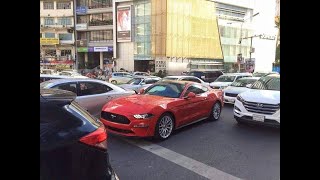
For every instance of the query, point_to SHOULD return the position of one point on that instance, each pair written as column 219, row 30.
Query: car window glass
column 194, row 80
column 91, row 88
column 197, row 89
column 67, row 86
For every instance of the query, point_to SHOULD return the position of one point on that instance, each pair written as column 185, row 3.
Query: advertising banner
column 123, row 23
column 49, row 41
column 250, row 65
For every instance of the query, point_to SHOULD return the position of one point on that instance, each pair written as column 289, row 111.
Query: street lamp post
column 240, row 40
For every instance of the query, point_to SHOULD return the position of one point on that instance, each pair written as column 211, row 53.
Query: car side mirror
column 248, row 85
column 141, row 91
column 190, row 95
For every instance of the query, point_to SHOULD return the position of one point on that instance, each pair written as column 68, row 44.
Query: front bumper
column 229, row 100
column 136, row 128
column 242, row 115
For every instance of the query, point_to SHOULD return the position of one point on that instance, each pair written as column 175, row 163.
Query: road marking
column 181, row 160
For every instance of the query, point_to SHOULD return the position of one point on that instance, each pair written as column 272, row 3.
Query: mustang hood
column 136, row 104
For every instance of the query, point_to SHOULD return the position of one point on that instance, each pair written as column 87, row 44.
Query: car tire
column 215, row 112
column 164, row 127
column 114, row 82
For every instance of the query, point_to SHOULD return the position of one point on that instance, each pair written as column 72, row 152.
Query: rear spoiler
column 58, row 96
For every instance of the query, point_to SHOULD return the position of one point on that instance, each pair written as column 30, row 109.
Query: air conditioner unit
column 63, row 25
column 41, row 25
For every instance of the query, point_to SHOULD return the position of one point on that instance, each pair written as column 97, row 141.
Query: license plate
column 258, row 118
column 231, row 100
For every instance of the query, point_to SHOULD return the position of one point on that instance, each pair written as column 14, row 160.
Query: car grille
column 231, row 94
column 215, row 87
column 115, row 118
column 261, row 108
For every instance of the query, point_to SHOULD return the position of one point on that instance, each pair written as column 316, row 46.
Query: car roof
column 236, row 74
column 249, row 78
column 174, row 82
column 180, row 77
column 58, row 81
column 147, row 77
column 55, row 76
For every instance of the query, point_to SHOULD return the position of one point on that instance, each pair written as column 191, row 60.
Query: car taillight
column 97, row 138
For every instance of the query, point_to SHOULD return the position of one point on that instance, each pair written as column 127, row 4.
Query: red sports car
column 161, row 108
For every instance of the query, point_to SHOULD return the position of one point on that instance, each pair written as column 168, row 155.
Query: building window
column 65, row 52
column 100, row 36
column 63, row 5
column 82, row 35
column 64, row 21
column 100, row 4
column 49, row 21
column 65, row 37
column 49, row 35
column 100, row 19
column 40, row 35
column 82, row 19
column 48, row 5
column 50, row 52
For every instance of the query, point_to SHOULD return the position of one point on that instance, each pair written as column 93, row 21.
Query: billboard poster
column 123, row 23
column 250, row 65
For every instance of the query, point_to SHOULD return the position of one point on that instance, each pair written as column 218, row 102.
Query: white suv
column 260, row 104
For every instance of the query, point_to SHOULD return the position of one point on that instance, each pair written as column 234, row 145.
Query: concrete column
column 101, row 60
column 85, row 57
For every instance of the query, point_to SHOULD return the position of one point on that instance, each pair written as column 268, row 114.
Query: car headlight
column 222, row 87
column 143, row 116
column 240, row 99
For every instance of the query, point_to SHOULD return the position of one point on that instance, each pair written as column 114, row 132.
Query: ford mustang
column 162, row 108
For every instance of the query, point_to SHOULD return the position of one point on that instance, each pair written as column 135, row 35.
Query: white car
column 186, row 78
column 120, row 77
column 225, row 80
column 140, row 82
column 72, row 74
column 140, row 74
column 241, row 85
column 91, row 94
column 260, row 104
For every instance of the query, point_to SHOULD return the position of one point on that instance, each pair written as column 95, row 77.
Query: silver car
column 140, row 82
column 120, row 77
column 91, row 94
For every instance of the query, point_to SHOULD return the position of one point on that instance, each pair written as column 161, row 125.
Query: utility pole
column 75, row 34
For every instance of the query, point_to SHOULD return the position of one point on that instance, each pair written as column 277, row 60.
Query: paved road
column 201, row 150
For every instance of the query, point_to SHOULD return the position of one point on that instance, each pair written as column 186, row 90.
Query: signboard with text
column 49, row 41
column 82, row 26
column 81, row 10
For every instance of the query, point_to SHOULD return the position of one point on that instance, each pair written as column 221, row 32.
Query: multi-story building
column 57, row 33
column 166, row 35
column 234, row 23
column 247, row 28
column 94, row 27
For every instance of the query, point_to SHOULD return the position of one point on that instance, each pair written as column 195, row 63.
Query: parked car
column 140, row 82
column 237, row 87
column 186, row 78
column 227, row 79
column 47, row 77
column 140, row 74
column 72, row 74
column 73, row 143
column 47, row 71
column 260, row 104
column 206, row 76
column 120, row 77
column 260, row 74
column 92, row 94
column 162, row 108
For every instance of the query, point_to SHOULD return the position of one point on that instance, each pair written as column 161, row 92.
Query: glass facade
column 142, row 30
column 185, row 28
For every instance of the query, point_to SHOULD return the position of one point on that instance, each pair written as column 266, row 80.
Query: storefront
column 91, row 57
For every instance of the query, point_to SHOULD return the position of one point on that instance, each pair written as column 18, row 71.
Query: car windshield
column 44, row 84
column 267, row 83
column 170, row 78
column 135, row 81
column 172, row 90
column 259, row 74
column 243, row 82
column 225, row 78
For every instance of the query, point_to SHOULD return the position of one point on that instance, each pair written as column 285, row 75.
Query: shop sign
column 81, row 10
column 100, row 49
column 82, row 26
column 49, row 41
column 82, row 49
column 268, row 37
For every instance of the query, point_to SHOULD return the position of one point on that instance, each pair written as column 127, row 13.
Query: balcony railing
column 100, row 6
column 101, row 23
